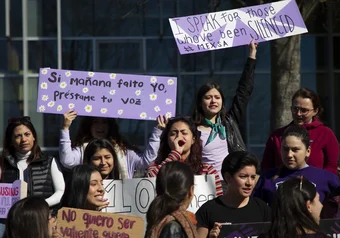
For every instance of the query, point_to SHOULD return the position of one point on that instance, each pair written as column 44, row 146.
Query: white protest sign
column 134, row 196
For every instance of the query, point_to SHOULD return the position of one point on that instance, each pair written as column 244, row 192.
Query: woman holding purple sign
column 219, row 128
column 72, row 153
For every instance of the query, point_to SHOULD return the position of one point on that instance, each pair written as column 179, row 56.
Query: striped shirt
column 176, row 156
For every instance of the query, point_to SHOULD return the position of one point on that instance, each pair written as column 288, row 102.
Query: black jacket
column 39, row 175
column 238, row 109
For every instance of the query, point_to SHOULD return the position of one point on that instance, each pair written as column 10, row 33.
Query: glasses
column 18, row 119
column 303, row 111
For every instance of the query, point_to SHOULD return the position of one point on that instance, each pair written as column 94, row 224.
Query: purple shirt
column 324, row 181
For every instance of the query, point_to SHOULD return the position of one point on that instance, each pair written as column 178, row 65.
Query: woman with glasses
column 296, row 211
column 23, row 159
column 295, row 149
column 306, row 110
column 31, row 218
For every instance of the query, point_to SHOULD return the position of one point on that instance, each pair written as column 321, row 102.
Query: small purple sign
column 106, row 94
column 10, row 193
column 224, row 29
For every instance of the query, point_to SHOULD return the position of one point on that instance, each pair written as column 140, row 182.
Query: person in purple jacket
column 72, row 153
column 295, row 150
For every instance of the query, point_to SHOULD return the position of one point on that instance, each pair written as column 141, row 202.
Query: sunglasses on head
column 18, row 119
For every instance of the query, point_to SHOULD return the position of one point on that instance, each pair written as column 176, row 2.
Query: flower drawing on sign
column 112, row 92
column 171, row 81
column 91, row 74
column 51, row 104
column 85, row 90
column 42, row 108
column 138, row 92
column 103, row 110
column 157, row 109
column 120, row 112
column 43, row 85
column 153, row 79
column 168, row 114
column 71, row 105
column 88, row 108
column 143, row 115
column 44, row 71
column 168, row 101
column 112, row 76
column 63, row 85
column 59, row 108
column 153, row 97
column 67, row 73
column 44, row 98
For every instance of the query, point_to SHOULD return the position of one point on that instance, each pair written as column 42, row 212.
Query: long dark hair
column 290, row 216
column 28, row 218
column 77, row 187
column 307, row 93
column 84, row 134
column 173, row 184
column 198, row 114
column 195, row 157
column 8, row 148
column 98, row 144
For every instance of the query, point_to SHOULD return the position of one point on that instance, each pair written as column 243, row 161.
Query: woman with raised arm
column 219, row 127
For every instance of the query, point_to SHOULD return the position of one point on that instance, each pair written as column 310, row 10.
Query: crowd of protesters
column 294, row 180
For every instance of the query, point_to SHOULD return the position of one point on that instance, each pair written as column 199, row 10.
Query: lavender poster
column 106, row 94
column 224, row 29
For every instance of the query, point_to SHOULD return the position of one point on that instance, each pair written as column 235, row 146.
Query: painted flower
column 43, row 85
column 59, row 108
column 143, row 115
column 71, row 105
column 168, row 101
column 91, row 74
column 67, row 73
column 88, row 108
column 51, row 104
column 44, row 98
column 153, row 97
column 63, row 85
column 103, row 110
column 85, row 90
column 44, row 71
column 153, row 79
column 138, row 92
column 120, row 111
column 157, row 109
column 42, row 108
column 112, row 92
column 112, row 76
column 168, row 114
column 171, row 81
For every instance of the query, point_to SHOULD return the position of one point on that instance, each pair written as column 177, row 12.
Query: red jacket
column 324, row 148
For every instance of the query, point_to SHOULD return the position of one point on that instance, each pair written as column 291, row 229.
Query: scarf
column 216, row 128
column 184, row 218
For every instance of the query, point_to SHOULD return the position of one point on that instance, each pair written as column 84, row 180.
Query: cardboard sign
column 134, row 196
column 92, row 224
column 224, row 29
column 330, row 227
column 106, row 94
column 10, row 193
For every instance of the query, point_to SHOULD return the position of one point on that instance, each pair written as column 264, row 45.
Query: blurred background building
column 134, row 37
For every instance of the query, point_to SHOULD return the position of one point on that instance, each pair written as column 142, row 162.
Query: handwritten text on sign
column 10, row 193
column 106, row 95
column 134, row 196
column 230, row 28
column 84, row 223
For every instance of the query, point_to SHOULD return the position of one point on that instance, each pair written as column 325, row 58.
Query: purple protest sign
column 10, row 193
column 224, row 29
column 106, row 94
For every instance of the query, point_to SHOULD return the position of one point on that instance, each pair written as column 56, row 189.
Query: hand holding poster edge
column 102, row 94
column 224, row 29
